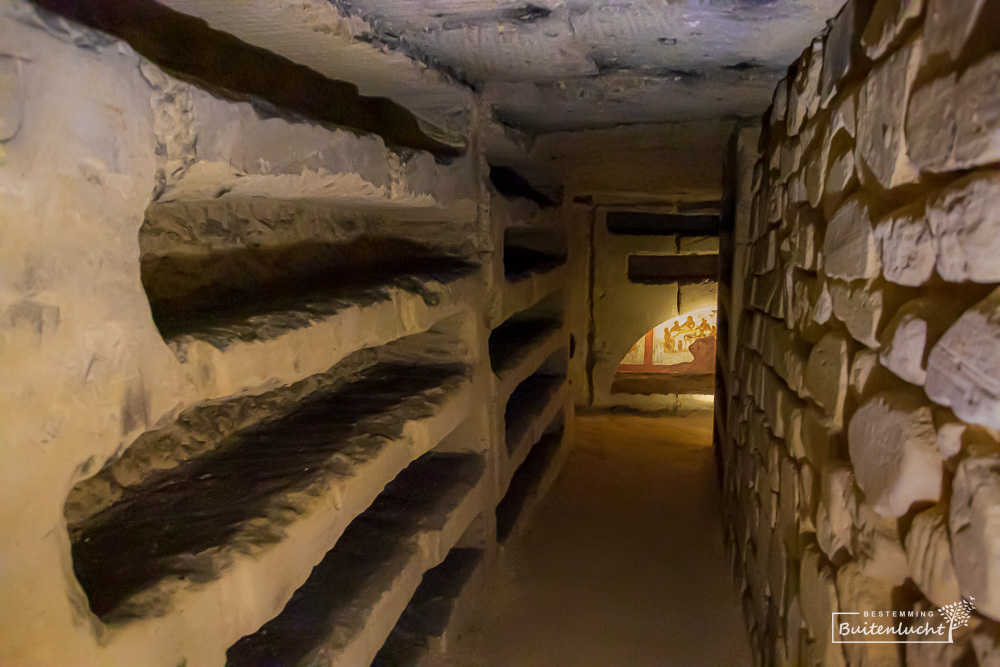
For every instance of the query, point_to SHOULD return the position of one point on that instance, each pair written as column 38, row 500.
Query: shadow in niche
column 336, row 599
column 519, row 262
column 185, row 522
column 221, row 295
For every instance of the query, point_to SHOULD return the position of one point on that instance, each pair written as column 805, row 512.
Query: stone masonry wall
column 860, row 455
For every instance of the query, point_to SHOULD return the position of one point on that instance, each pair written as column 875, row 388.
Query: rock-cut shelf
column 428, row 619
column 523, row 290
column 519, row 346
column 241, row 319
column 531, row 409
column 529, row 482
column 238, row 528
column 351, row 601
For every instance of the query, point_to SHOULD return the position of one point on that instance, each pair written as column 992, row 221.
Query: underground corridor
column 566, row 333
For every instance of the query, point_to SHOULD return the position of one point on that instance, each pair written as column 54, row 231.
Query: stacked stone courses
column 860, row 449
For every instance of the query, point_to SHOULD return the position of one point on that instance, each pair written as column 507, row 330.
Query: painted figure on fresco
column 679, row 337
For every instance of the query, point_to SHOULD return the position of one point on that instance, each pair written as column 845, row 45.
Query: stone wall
column 859, row 438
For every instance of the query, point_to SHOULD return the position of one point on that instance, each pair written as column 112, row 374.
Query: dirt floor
column 623, row 562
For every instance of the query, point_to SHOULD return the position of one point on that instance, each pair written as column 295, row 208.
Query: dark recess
column 427, row 615
column 336, row 596
column 526, row 13
column 154, row 531
column 511, row 184
column 659, row 269
column 188, row 48
column 520, row 262
column 226, row 290
column 653, row 224
column 525, row 481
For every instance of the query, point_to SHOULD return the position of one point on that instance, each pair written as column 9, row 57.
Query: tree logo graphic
column 957, row 614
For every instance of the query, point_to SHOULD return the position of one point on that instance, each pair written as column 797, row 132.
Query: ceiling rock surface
column 556, row 65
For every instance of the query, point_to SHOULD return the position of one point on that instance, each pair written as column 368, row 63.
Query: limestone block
column 928, row 553
column 850, row 250
column 764, row 255
column 949, row 24
column 818, row 437
column 774, row 454
column 911, row 334
column 779, row 402
column 975, row 531
column 803, row 92
column 889, row 20
column 856, row 591
column 815, row 174
column 950, row 431
column 808, row 497
column 807, row 292
column 797, row 193
column 809, row 97
column 794, row 439
column 893, row 446
column 758, row 176
column 954, row 123
column 841, row 178
column 925, row 654
column 876, row 545
column 839, row 52
column 775, row 203
column 790, row 158
column 881, row 141
column 965, row 222
column 777, row 571
column 844, row 115
column 779, row 103
column 774, row 166
column 962, row 367
column 787, row 525
column 818, row 600
column 826, row 376
column 834, row 517
column 822, row 309
column 804, row 238
column 907, row 248
column 868, row 376
column 865, row 307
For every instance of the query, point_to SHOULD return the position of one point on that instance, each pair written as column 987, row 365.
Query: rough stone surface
column 961, row 369
column 928, row 552
column 858, row 591
column 850, row 250
column 826, row 377
column 881, row 146
column 893, row 448
column 907, row 247
column 864, row 308
column 889, row 20
column 975, row 531
column 949, row 24
column 836, row 509
column 965, row 223
column 966, row 124
column 913, row 332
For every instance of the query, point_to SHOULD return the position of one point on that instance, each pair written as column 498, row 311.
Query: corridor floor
column 622, row 564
